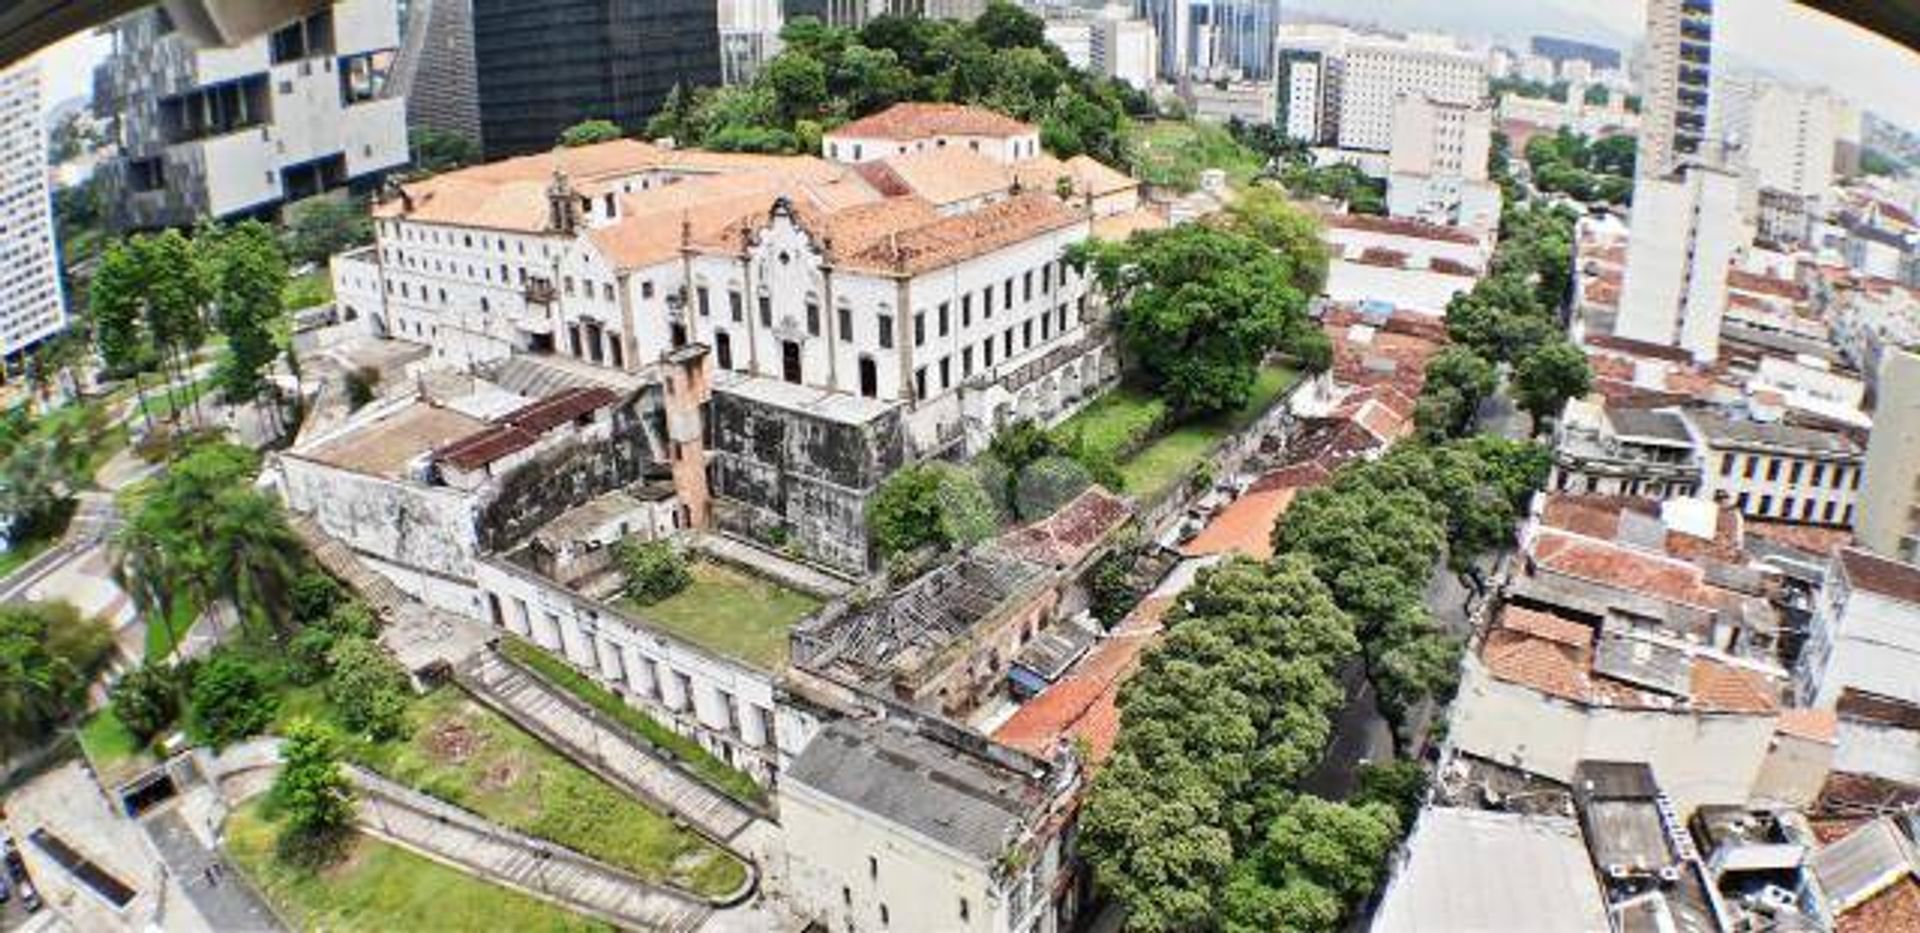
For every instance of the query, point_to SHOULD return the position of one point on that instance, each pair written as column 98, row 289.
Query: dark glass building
column 545, row 65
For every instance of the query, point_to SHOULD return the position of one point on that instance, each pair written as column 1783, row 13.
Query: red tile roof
column 916, row 120
column 1064, row 538
column 1624, row 568
column 1551, row 667
column 1889, row 578
column 559, row 408
column 1244, row 527
column 1894, row 910
column 1742, row 281
column 1545, row 625
column 1083, row 704
column 1813, row 540
column 1818, row 725
column 1722, row 687
column 486, row 446
column 1400, row 227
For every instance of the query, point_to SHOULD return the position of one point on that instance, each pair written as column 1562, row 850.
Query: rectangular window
column 986, row 303
column 1026, row 286
column 1818, row 476
column 1773, row 469
column 813, row 319
column 883, row 325
column 920, row 383
column 736, row 305
column 946, row 373
column 1026, row 334
column 1046, row 278
column 1786, row 507
column 966, row 363
column 766, row 311
column 1753, row 466
column 1063, row 319
column 1826, row 512
column 845, row 320
column 646, row 288
column 1726, row 464
column 1793, row 474
column 1046, row 327
column 1006, row 299
column 986, row 350
column 966, row 310
column 569, row 285
column 703, row 300
column 1741, row 503
column 1007, row 343
column 919, row 328
column 1766, row 505
column 945, row 322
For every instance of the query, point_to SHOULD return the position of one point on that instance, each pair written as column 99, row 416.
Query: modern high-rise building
column 853, row 14
column 1173, row 22
column 546, row 65
column 1214, row 38
column 1437, row 168
column 1375, row 72
column 749, row 37
column 434, row 72
column 1889, row 515
column 1124, row 48
column 32, row 307
column 1677, row 83
column 1788, row 138
column 1685, row 227
column 212, row 133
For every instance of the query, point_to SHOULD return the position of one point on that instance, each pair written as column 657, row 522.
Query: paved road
column 1360, row 735
column 224, row 898
column 508, row 858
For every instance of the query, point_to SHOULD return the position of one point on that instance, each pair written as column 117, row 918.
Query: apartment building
column 217, row 133
column 1889, row 521
column 1788, row 138
column 1685, row 229
column 434, row 72
column 1778, row 472
column 1865, row 638
column 1438, row 163
column 1124, row 48
column 1376, row 71
column 749, row 38
column 1677, row 82
column 32, row 304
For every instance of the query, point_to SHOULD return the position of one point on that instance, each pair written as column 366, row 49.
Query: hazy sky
column 1771, row 35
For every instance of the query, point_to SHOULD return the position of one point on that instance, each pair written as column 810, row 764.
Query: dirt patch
column 502, row 774
column 451, row 741
column 353, row 852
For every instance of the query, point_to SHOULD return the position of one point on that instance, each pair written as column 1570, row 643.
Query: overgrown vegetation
column 48, row 655
column 653, row 570
column 1585, row 170
column 723, row 777
column 827, row 76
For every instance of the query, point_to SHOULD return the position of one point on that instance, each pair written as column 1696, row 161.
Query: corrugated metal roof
column 1863, row 864
column 1477, row 870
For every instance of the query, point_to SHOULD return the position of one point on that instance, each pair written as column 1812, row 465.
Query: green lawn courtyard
column 377, row 886
column 731, row 612
column 1119, row 419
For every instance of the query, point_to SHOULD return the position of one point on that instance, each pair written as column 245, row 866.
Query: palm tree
column 255, row 564
column 29, row 697
column 142, row 566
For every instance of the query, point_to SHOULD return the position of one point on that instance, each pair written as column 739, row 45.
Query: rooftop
column 826, row 405
column 959, row 800
column 1648, row 424
column 1872, row 858
column 1394, row 226
column 1480, row 870
column 1084, row 704
column 732, row 613
column 1879, row 575
column 386, row 445
column 1074, row 530
column 917, row 120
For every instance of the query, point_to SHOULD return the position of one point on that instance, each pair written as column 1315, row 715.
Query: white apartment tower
column 1124, row 48
column 1673, row 126
column 231, row 132
column 749, row 38
column 1437, row 168
column 1889, row 516
column 1375, row 72
column 31, row 305
column 1686, row 214
column 1791, row 138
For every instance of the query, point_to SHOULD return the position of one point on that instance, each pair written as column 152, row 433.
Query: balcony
column 539, row 291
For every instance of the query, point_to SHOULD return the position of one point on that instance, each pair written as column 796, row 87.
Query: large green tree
column 49, row 653
column 311, row 790
column 1548, row 377
column 250, row 276
column 1198, row 308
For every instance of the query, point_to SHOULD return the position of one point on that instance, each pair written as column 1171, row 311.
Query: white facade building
column 1788, row 135
column 1376, row 71
column 225, row 132
column 1890, row 496
column 1124, row 49
column 908, row 128
column 32, row 305
column 1677, row 85
column 1075, row 39
column 749, row 38
column 1777, row 472
column 1438, row 163
column 1866, row 633
column 1685, row 229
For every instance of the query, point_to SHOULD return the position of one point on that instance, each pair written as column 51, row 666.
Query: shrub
column 147, row 699
column 231, row 700
column 654, row 570
column 307, row 655
column 367, row 687
column 315, row 797
column 314, row 594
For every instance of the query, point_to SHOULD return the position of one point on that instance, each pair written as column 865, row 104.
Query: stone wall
column 536, row 493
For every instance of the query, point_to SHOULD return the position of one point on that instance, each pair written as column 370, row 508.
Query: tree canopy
column 1198, row 308
column 826, row 76
column 48, row 655
column 589, row 132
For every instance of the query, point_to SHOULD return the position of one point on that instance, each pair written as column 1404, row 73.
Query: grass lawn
column 113, row 751
column 306, row 291
column 159, row 403
column 728, row 780
column 377, row 886
column 1173, row 153
column 1110, row 422
column 165, row 636
column 464, row 753
column 732, row 612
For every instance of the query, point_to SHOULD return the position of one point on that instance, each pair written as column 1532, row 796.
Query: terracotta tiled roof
column 1551, row 667
column 1401, row 227
column 1739, row 280
column 1064, row 538
column 1545, row 625
column 1721, row 687
column 1624, row 568
column 1084, row 703
column 486, row 446
column 915, row 120
column 950, row 240
column 1809, row 538
column 1888, row 578
column 950, row 175
column 1296, row 476
column 1817, row 725
column 1894, row 910
column 1244, row 527
column 1121, row 226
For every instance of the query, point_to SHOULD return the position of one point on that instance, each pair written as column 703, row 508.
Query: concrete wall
column 1697, row 758
column 1860, row 640
column 1890, row 493
column 729, row 707
column 427, row 529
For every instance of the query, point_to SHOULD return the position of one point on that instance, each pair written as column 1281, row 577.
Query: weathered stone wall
column 777, row 471
column 424, row 528
column 539, row 491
